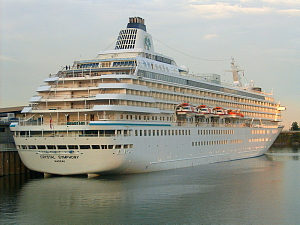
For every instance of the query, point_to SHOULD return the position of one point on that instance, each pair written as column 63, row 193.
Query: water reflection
column 284, row 153
column 178, row 196
column 251, row 191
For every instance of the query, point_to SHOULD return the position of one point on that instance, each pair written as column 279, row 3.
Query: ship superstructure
column 133, row 110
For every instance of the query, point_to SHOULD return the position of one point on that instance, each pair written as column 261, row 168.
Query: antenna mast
column 235, row 73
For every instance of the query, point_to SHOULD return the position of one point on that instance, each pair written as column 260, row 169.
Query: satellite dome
column 184, row 69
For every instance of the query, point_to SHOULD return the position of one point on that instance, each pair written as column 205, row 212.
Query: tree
column 295, row 126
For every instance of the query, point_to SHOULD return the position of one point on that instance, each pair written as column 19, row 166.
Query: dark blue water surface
column 262, row 190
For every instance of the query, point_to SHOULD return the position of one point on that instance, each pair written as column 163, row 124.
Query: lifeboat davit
column 220, row 112
column 186, row 109
column 205, row 111
column 235, row 114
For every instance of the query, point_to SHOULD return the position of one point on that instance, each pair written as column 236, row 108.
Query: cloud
column 7, row 58
column 285, row 2
column 221, row 10
column 290, row 12
column 210, row 36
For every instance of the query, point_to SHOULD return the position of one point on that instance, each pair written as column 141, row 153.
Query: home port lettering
column 59, row 158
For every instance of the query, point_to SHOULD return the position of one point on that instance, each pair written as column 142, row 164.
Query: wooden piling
column 1, row 164
column 5, row 163
column 11, row 164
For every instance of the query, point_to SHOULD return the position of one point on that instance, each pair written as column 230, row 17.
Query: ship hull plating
column 152, row 151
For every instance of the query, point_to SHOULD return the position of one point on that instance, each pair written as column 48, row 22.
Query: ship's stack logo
column 147, row 43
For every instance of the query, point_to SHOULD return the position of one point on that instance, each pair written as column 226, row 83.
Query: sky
column 263, row 36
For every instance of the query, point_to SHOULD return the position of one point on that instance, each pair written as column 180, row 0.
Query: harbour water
column 262, row 190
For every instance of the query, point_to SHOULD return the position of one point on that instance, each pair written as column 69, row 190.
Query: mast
column 235, row 73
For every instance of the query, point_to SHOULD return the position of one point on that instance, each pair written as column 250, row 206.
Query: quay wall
column 11, row 164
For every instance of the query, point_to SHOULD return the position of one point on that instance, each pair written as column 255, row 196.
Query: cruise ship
column 132, row 110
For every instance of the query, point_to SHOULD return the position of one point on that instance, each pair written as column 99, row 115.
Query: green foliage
column 288, row 138
column 295, row 126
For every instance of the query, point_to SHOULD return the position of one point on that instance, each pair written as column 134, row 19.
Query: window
column 95, row 146
column 84, row 147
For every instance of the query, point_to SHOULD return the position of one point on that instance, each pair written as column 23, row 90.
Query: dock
column 10, row 162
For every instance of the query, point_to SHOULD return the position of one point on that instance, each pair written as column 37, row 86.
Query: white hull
column 148, row 153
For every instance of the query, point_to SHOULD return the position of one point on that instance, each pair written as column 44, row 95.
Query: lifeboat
column 235, row 114
column 186, row 109
column 205, row 111
column 220, row 112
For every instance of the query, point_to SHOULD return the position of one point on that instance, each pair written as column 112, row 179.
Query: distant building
column 7, row 115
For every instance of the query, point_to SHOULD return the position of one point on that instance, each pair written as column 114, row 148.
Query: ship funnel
column 137, row 22
column 135, row 36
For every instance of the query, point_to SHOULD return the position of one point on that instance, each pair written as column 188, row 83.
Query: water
column 263, row 190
